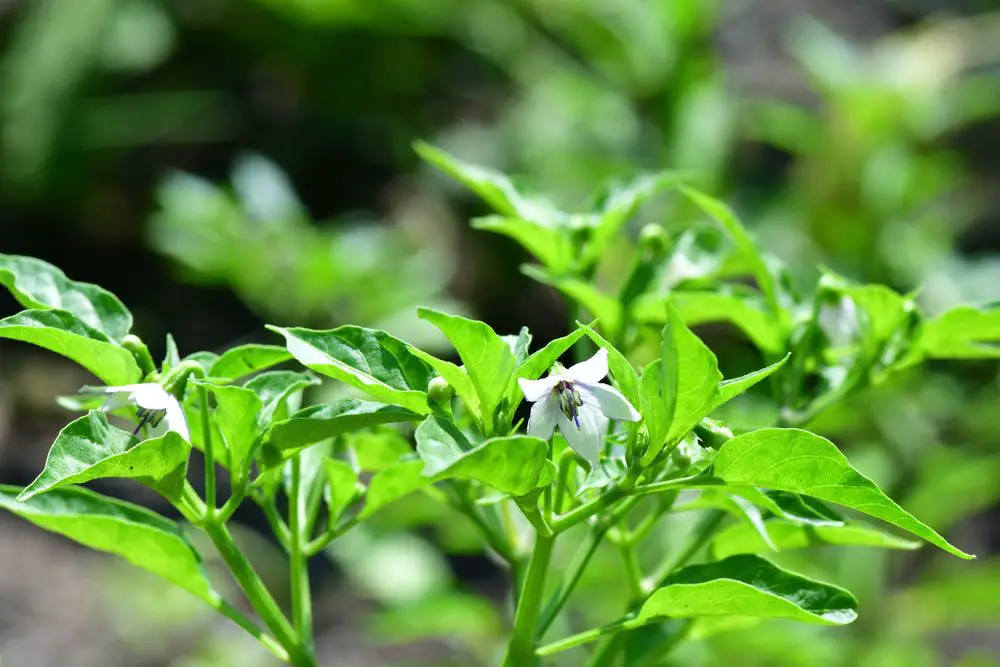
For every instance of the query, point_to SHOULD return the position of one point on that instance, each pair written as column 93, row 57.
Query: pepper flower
column 157, row 408
column 575, row 400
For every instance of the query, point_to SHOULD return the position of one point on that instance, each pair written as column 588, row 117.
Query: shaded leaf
column 787, row 535
column 550, row 245
column 729, row 389
column 604, row 307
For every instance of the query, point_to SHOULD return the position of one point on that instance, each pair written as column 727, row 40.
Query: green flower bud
column 654, row 240
column 140, row 353
column 439, row 390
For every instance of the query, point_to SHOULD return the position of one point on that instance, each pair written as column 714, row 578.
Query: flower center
column 148, row 418
column 569, row 401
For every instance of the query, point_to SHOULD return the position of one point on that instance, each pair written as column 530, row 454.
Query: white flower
column 575, row 400
column 158, row 409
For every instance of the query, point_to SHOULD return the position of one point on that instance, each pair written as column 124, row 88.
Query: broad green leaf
column 515, row 464
column 341, row 488
column 90, row 448
column 487, row 358
column 964, row 332
column 494, row 188
column 621, row 370
column 801, row 462
column 275, row 389
column 786, row 535
column 455, row 376
column 688, row 390
column 391, row 484
column 551, row 245
column 378, row 447
column 749, row 586
column 378, row 364
column 239, row 361
column 696, row 307
column 65, row 334
column 141, row 537
column 604, row 307
column 237, row 414
column 320, row 422
column 725, row 217
column 439, row 443
column 39, row 285
column 729, row 389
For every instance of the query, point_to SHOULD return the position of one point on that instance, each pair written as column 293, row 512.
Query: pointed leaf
column 538, row 363
column 964, row 332
column 487, row 358
column 791, row 506
column 373, row 361
column 239, row 361
column 90, row 448
column 320, row 422
column 39, row 285
column 275, row 389
column 729, row 389
column 786, row 535
column 801, row 462
column 550, row 245
column 237, row 412
column 141, row 537
column 749, row 586
column 65, row 334
column 391, row 484
column 516, row 465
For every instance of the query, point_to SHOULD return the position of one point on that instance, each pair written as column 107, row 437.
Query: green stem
column 329, row 535
column 591, row 635
column 692, row 482
column 699, row 538
column 298, row 561
column 520, row 652
column 570, row 579
column 633, row 571
column 269, row 642
column 258, row 595
column 206, row 430
column 567, row 461
column 599, row 504
column 274, row 520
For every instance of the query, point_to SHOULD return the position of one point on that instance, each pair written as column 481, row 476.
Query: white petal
column 608, row 400
column 152, row 397
column 591, row 371
column 175, row 419
column 588, row 437
column 536, row 389
column 544, row 414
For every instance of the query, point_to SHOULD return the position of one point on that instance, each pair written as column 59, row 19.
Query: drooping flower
column 575, row 400
column 157, row 408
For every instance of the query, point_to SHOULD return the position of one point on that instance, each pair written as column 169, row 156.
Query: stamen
column 569, row 401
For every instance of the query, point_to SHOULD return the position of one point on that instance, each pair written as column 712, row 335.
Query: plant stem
column 570, row 579
column 258, row 595
column 274, row 520
column 298, row 561
column 591, row 635
column 633, row 571
column 520, row 652
column 206, row 434
column 702, row 534
column 269, row 642
column 599, row 504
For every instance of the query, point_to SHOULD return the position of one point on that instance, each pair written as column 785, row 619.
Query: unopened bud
column 439, row 390
column 140, row 353
column 654, row 240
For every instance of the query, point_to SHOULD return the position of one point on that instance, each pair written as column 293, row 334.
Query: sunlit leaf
column 276, row 390
column 391, row 484
column 341, row 488
column 237, row 414
column 621, row 370
column 246, row 359
column 551, row 245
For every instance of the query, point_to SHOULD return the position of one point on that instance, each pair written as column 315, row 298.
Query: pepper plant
column 594, row 437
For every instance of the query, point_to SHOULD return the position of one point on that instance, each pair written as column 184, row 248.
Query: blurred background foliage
column 221, row 163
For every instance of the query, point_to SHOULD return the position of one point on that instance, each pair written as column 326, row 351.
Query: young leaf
column 550, row 245
column 964, row 332
column 697, row 307
column 439, row 444
column 239, row 361
column 237, row 414
column 65, row 334
column 787, row 535
column 90, row 448
column 275, row 389
column 488, row 360
column 341, row 488
column 141, row 537
column 604, row 307
column 373, row 361
column 729, row 389
column 320, row 422
column 752, row 587
column 172, row 356
column 391, row 484
column 801, row 462
column 39, row 285
column 519, row 344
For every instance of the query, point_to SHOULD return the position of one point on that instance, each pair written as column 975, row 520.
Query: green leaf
column 687, row 391
column 391, row 484
column 697, row 307
column 749, row 586
column 964, row 332
column 787, row 535
column 801, row 462
column 458, row 379
column 275, row 389
column 204, row 359
column 514, row 465
column 320, row 422
column 791, row 506
column 172, row 356
column 550, row 245
column 90, row 448
column 604, row 307
column 342, row 486
column 239, row 361
column 621, row 370
column 488, row 360
column 494, row 188
column 729, row 389
column 39, row 285
column 65, row 334
column 725, row 217
column 885, row 309
column 237, row 415
column 378, row 447
column 141, row 537
column 378, row 364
